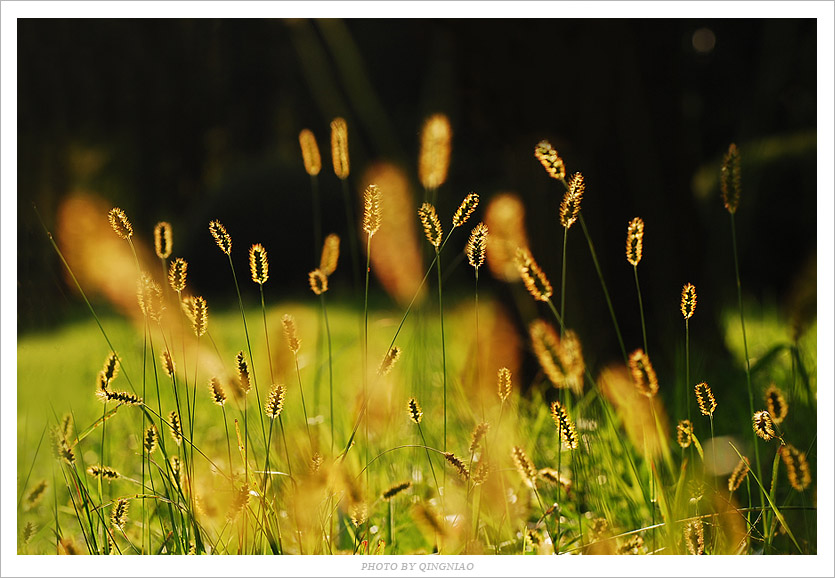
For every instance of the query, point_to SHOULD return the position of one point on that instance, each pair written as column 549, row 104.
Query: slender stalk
column 304, row 407
column 317, row 217
column 330, row 395
column 352, row 234
column 365, row 348
column 266, row 333
column 641, row 307
column 562, row 283
column 478, row 350
column 687, row 365
column 443, row 348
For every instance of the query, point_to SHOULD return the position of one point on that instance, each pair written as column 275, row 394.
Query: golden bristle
column 339, row 148
column 199, row 315
column 505, row 384
column 123, row 397
column 643, row 374
column 162, row 239
column 330, row 255
column 431, row 224
column 359, row 513
column 119, row 516
column 371, row 216
column 478, row 434
column 177, row 274
column 389, row 360
column 175, row 468
column 797, row 467
column 547, row 348
column 477, row 245
column 707, row 403
column 243, row 372
column 694, row 537
column 310, row 152
column 222, row 238
column 150, row 439
column 36, row 495
column 316, row 461
column 465, row 209
column 567, row 431
column 684, row 433
column 101, row 382
column 535, row 280
column 218, row 394
column 778, row 409
column 318, row 281
column 239, row 503
column 415, row 413
column 176, row 427
column 63, row 450
column 738, row 475
column 505, row 217
column 168, row 364
column 549, row 158
column 103, row 472
column 428, row 518
column 66, row 426
column 570, row 206
column 119, row 222
column 481, row 471
column 290, row 333
column 731, row 180
column 688, row 300
column 149, row 297
column 111, row 366
column 552, row 476
column 258, row 264
column 396, row 489
column 635, row 241
column 571, row 358
column 763, row 425
column 275, row 401
column 459, row 466
column 525, row 466
column 28, row 531
column 435, row 148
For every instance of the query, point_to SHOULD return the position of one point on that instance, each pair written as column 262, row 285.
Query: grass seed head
column 111, row 366
column 524, row 464
column 168, row 364
column 549, row 158
column 465, row 209
column 103, row 472
column 123, row 397
column 481, row 471
column 216, row 389
column 150, row 439
column 694, row 537
column 243, row 372
column 555, row 478
column 275, row 401
column 684, row 433
column 310, row 152
column 738, row 475
column 119, row 515
column 162, row 239
column 372, row 209
column 396, row 489
column 222, row 238
column 149, row 297
column 176, row 427
column 339, row 148
column 704, row 395
column 435, row 146
column 390, row 360
column 119, row 222
column 567, row 431
column 776, row 403
column 330, row 255
column 635, row 241
column 28, row 531
column 359, row 514
column 199, row 314
column 415, row 413
column 688, row 300
column 36, row 494
column 318, row 281
column 731, row 179
column 763, row 425
column 535, row 280
column 459, row 466
column 477, row 246
column 505, row 384
column 797, row 467
column 177, row 274
column 429, row 520
column 570, row 206
column 643, row 374
column 258, row 264
column 290, row 333
column 478, row 435
column 431, row 224
column 239, row 502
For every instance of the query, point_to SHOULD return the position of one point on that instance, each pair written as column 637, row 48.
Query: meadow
column 343, row 424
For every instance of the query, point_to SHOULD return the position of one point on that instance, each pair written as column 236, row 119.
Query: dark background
column 199, row 119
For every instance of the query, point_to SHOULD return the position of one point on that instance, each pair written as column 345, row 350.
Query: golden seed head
column 571, row 357
column 318, row 281
column 763, row 425
column 371, row 210
column 552, row 476
column 101, row 382
column 478, row 435
column 243, row 372
column 310, row 152
column 435, row 140
column 429, row 519
column 316, row 461
column 119, row 222
column 548, row 349
column 635, row 241
column 119, row 516
column 505, row 384
column 149, row 297
column 239, row 502
column 28, row 531
column 359, row 513
column 415, row 413
column 776, row 404
column 150, row 439
column 431, row 224
column 176, row 427
column 275, row 401
column 216, row 389
column 177, row 274
column 738, row 475
column 643, row 374
column 684, row 433
column 549, row 158
column 459, row 466
column 168, row 364
column 477, row 245
column 162, row 239
column 797, row 467
column 103, row 472
column 222, row 238
column 707, row 403
column 731, row 179
column 565, row 427
column 111, row 367
column 389, row 360
column 570, row 206
column 330, row 255
column 688, row 300
column 535, row 280
column 339, row 148
column 289, row 323
column 123, row 397
column 632, row 546
column 396, row 489
column 63, row 450
column 694, row 537
column 198, row 312
column 175, row 466
column 465, row 209
column 36, row 494
column 524, row 464
column 258, row 264
column 480, row 473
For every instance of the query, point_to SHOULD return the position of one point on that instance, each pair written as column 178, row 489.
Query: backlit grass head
column 567, row 431
column 111, row 366
column 465, row 209
column 435, row 146
column 119, row 515
column 258, row 264
column 293, row 342
column 797, row 467
column 372, row 209
column 150, row 439
column 477, row 246
column 635, row 241
column 239, row 503
column 694, row 537
column 549, row 158
column 310, row 152
column 763, row 425
column 479, row 432
column 458, row 465
column 318, row 281
column 176, row 427
column 36, row 494
column 731, row 179
column 524, row 464
column 339, row 148
column 243, row 372
column 122, row 397
column 534, row 278
column 330, row 255
column 103, row 472
column 149, row 297
column 570, row 206
column 776, row 404
column 222, row 238
column 389, row 360
column 738, row 475
column 643, row 374
column 505, row 384
column 163, row 241
column 431, row 224
column 684, row 433
column 198, row 312
column 177, row 274
column 707, row 403
column 395, row 490
column 119, row 222
column 275, row 401
column 415, row 413
column 688, row 300
column 217, row 392
column 168, row 364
